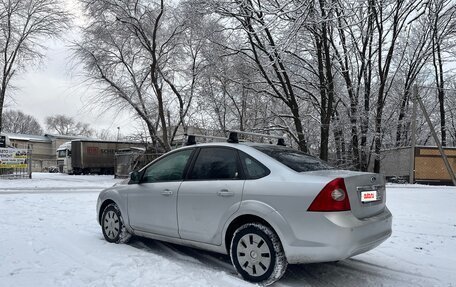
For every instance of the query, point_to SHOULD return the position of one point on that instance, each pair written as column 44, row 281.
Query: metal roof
column 44, row 138
column 68, row 137
column 25, row 137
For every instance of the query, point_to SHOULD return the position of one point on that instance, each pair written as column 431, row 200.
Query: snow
column 57, row 182
column 50, row 237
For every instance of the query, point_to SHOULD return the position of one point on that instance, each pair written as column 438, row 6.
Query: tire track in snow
column 413, row 274
column 162, row 249
column 216, row 261
column 350, row 272
column 183, row 253
column 185, row 256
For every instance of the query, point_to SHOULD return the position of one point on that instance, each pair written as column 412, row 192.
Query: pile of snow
column 53, row 239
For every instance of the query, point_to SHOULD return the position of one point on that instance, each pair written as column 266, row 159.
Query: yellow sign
column 24, row 165
column 13, row 158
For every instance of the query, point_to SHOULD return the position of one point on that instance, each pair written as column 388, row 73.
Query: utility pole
column 436, row 138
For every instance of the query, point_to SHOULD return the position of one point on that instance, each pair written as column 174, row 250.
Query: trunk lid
column 366, row 191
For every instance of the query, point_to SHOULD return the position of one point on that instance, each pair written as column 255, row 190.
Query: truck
column 90, row 156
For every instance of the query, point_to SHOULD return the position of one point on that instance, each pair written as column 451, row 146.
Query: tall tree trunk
column 366, row 114
column 378, row 129
column 339, row 140
column 366, row 74
column 328, row 79
column 2, row 101
column 384, row 65
column 345, row 70
column 438, row 69
column 400, row 121
column 162, row 116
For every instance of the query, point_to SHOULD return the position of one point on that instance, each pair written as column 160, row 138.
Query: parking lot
column 50, row 237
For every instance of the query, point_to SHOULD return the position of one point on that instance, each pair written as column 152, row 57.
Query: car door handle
column 225, row 193
column 167, row 192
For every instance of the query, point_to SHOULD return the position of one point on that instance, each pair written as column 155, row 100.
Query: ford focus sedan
column 266, row 206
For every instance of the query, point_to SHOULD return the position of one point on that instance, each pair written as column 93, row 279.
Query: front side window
column 215, row 164
column 170, row 168
column 62, row 153
column 294, row 159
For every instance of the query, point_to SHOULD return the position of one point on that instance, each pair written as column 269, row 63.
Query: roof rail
column 234, row 136
column 191, row 138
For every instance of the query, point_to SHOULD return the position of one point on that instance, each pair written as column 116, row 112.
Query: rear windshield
column 294, row 159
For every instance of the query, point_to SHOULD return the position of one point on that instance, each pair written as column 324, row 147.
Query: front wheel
column 257, row 254
column 112, row 225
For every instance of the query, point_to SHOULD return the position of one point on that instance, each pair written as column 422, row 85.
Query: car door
column 211, row 193
column 152, row 202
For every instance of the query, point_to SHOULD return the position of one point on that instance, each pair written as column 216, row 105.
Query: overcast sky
column 52, row 88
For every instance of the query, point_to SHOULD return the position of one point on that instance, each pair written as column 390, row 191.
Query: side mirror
column 135, row 177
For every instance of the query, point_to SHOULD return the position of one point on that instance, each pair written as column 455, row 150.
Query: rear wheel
column 112, row 225
column 257, row 254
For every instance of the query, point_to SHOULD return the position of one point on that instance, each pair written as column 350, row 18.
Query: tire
column 112, row 225
column 257, row 254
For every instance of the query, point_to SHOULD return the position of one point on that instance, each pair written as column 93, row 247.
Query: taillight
column 333, row 197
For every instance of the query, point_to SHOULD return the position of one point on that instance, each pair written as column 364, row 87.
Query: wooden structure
column 428, row 165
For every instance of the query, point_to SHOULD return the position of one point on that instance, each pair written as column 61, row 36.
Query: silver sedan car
column 266, row 206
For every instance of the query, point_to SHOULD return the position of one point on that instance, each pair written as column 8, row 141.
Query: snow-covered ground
column 56, row 182
column 50, row 237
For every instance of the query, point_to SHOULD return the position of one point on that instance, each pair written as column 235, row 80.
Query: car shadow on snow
column 183, row 253
column 350, row 272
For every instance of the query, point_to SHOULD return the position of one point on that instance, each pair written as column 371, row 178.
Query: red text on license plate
column 368, row 196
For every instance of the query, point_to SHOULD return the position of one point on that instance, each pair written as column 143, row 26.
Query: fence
column 15, row 163
column 132, row 159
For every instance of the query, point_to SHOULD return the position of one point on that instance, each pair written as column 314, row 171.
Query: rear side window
column 215, row 163
column 253, row 168
column 294, row 159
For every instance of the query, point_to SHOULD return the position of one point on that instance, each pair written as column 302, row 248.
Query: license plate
column 369, row 196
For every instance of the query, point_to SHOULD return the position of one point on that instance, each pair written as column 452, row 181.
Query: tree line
column 15, row 121
column 334, row 76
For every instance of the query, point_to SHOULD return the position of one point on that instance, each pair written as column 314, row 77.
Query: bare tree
column 18, row 122
column 442, row 18
column 415, row 55
column 267, row 53
column 132, row 51
column 321, row 31
column 390, row 20
column 23, row 26
column 335, row 75
column 353, row 50
column 65, row 125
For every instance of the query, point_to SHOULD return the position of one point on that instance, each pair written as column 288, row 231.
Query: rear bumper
column 333, row 236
